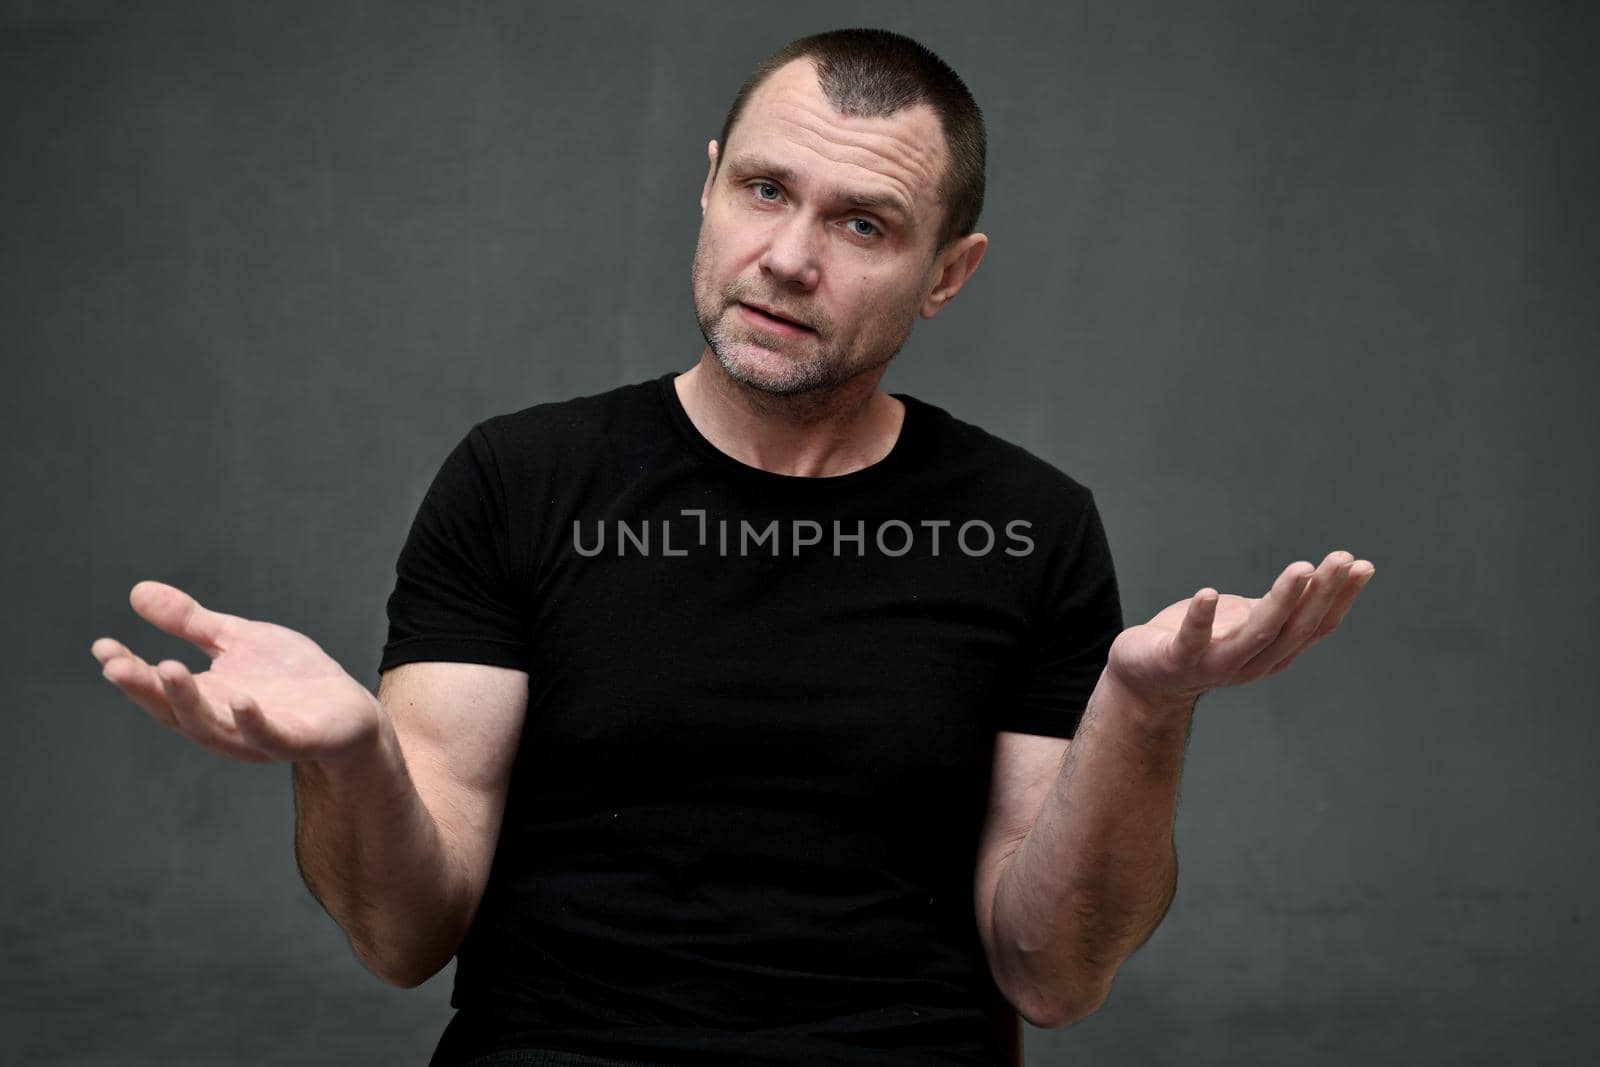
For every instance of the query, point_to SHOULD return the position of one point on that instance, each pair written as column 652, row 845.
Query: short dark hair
column 877, row 73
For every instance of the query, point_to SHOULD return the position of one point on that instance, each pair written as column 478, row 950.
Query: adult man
column 725, row 717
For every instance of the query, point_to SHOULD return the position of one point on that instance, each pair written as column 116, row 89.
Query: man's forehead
column 790, row 114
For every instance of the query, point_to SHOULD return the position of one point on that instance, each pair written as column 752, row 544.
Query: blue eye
column 870, row 228
column 766, row 185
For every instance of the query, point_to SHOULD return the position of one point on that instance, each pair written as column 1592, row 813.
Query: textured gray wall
column 1272, row 278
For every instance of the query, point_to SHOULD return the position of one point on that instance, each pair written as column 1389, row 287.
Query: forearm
column 377, row 860
column 1098, row 869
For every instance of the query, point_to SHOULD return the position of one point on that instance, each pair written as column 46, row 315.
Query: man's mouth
column 771, row 320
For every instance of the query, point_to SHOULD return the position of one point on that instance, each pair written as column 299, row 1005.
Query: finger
column 139, row 683
column 1265, row 621
column 1309, row 611
column 260, row 732
column 199, row 720
column 108, row 648
column 1194, row 635
column 1361, row 572
column 171, row 609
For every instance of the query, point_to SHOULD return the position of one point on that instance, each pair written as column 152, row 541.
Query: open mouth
column 769, row 320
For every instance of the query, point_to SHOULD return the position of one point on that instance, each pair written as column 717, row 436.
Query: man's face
column 825, row 220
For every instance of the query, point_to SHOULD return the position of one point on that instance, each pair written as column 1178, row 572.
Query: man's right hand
column 272, row 694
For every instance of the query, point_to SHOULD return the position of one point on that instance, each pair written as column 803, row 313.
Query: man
column 752, row 715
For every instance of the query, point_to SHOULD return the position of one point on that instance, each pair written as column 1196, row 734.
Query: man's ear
column 951, row 269
column 711, row 174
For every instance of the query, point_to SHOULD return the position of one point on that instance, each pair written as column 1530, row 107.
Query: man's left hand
column 1213, row 640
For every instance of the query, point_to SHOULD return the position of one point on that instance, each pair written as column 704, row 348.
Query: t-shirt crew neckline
column 899, row 453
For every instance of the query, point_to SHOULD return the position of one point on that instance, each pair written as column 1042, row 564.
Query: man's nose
column 792, row 255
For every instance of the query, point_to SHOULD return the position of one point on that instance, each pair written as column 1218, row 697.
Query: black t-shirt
column 742, row 821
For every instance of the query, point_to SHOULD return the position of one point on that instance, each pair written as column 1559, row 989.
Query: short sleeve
column 1060, row 659
column 454, row 595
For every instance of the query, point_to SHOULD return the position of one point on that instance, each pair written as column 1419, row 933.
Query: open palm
column 271, row 693
column 1212, row 640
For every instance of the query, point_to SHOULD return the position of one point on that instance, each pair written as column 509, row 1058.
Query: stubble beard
column 808, row 364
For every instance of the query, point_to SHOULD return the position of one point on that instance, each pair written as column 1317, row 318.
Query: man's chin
column 768, row 370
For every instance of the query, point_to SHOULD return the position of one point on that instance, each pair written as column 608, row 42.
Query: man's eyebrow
column 888, row 203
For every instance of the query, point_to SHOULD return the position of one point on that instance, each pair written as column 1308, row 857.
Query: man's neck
column 820, row 434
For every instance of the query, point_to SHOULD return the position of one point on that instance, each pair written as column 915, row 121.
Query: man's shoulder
column 957, row 445
column 573, row 422
column 579, row 412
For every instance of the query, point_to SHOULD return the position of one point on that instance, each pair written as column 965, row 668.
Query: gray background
column 1271, row 278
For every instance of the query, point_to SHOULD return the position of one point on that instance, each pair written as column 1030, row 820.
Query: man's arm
column 396, row 840
column 398, row 797
column 371, row 853
column 1097, row 871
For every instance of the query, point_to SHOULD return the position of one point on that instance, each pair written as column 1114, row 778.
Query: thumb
column 171, row 609
column 1194, row 635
